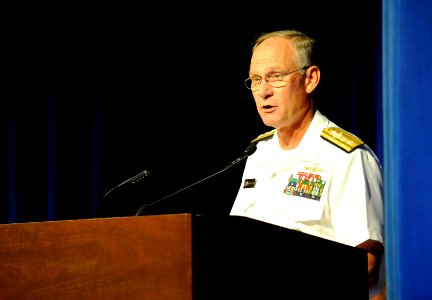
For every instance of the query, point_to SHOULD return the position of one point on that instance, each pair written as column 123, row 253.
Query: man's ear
column 312, row 78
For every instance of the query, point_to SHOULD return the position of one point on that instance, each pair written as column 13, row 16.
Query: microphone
column 133, row 179
column 247, row 152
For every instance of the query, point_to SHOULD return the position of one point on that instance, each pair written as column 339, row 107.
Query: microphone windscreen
column 250, row 149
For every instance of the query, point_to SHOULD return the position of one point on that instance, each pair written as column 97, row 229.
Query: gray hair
column 304, row 45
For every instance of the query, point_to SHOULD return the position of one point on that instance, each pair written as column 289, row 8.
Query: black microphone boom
column 248, row 151
column 133, row 179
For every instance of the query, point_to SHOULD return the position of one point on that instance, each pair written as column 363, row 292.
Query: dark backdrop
column 91, row 96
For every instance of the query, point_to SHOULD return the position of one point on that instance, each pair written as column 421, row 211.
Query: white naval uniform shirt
column 317, row 188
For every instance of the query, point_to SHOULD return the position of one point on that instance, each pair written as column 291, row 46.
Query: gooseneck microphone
column 247, row 152
column 133, row 179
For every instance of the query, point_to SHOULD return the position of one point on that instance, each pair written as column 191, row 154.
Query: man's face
column 279, row 106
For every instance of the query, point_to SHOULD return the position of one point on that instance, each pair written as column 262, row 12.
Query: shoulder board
column 264, row 136
column 341, row 138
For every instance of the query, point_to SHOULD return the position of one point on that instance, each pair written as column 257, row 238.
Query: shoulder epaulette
column 264, row 136
column 341, row 138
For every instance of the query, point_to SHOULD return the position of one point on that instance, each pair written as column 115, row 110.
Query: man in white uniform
column 307, row 173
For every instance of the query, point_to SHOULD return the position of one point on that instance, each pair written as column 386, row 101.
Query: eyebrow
column 271, row 72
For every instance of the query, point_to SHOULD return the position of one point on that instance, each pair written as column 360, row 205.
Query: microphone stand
column 249, row 150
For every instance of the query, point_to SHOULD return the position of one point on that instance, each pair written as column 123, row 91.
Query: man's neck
column 291, row 136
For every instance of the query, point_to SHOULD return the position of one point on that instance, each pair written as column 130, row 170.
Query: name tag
column 249, row 183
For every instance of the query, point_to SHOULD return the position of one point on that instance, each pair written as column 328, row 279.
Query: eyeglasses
column 276, row 80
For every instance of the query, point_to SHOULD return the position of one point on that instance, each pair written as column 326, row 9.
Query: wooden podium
column 177, row 256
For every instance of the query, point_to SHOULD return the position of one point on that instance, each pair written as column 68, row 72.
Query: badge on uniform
column 249, row 183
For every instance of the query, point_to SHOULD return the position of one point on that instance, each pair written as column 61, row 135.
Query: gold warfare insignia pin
column 314, row 168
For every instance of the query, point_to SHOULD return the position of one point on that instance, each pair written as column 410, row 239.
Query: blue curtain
column 407, row 79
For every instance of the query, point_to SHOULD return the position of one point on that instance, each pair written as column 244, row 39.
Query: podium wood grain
column 114, row 258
